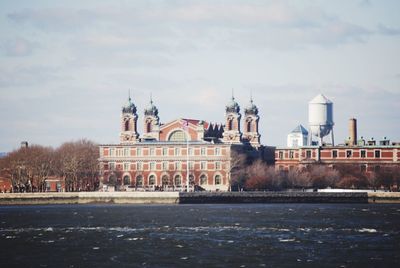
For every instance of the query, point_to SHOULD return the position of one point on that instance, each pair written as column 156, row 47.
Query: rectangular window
column 217, row 165
column 112, row 152
column 48, row 186
column 139, row 166
column 152, row 165
column 164, row 151
column 178, row 166
column 177, row 151
column 377, row 154
column 126, row 166
column 348, row 153
column 217, row 151
column 308, row 154
column 190, row 151
column 165, row 165
column 203, row 165
column 334, row 154
column 139, row 151
column 126, row 152
column 152, row 151
column 191, row 165
column 280, row 155
column 203, row 151
column 111, row 165
column 363, row 153
column 291, row 154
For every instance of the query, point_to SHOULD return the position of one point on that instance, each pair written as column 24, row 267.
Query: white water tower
column 320, row 118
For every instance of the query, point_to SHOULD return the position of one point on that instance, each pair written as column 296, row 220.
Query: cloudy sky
column 66, row 66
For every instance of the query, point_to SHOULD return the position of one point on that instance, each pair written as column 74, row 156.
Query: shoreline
column 196, row 197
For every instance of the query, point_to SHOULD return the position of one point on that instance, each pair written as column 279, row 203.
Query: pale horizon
column 66, row 67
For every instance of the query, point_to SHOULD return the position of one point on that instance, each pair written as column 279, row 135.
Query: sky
column 66, row 67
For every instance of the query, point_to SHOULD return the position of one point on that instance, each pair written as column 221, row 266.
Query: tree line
column 257, row 175
column 75, row 163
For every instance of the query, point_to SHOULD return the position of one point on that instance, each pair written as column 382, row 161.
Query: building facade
column 184, row 151
column 366, row 157
column 298, row 137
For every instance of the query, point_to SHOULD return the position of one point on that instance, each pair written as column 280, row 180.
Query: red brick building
column 165, row 154
column 368, row 157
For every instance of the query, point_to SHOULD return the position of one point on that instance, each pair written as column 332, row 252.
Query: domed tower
column 251, row 119
column 232, row 132
column 129, row 133
column 151, row 122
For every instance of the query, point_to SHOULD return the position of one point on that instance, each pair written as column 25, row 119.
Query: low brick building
column 367, row 157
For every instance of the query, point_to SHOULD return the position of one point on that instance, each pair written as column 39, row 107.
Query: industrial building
column 367, row 155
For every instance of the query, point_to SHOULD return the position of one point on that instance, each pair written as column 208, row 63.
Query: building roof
column 251, row 108
column 320, row 98
column 129, row 107
column 232, row 106
column 300, row 129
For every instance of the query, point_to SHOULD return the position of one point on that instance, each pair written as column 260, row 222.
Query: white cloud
column 201, row 25
column 77, row 64
column 382, row 29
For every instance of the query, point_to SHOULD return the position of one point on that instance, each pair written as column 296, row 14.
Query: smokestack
column 352, row 131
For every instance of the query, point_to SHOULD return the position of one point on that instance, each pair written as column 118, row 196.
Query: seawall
column 272, row 197
column 196, row 197
column 90, row 197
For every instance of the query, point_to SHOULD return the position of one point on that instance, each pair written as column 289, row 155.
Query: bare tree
column 297, row 178
column 236, row 169
column 260, row 176
column 77, row 163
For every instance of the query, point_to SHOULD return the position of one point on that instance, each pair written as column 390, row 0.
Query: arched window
column 217, row 180
column 177, row 135
column 203, row 179
column 178, row 180
column 148, row 127
column 165, row 180
column 230, row 124
column 249, row 126
column 139, row 181
column 127, row 125
column 112, row 180
column 191, row 179
column 152, row 180
column 127, row 180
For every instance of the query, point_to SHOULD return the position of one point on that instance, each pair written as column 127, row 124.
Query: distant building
column 298, row 137
column 166, row 154
column 24, row 144
column 367, row 155
column 367, row 158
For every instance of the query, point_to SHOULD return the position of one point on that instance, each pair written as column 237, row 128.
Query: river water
column 235, row 235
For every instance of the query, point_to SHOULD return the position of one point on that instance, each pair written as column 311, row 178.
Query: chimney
column 24, row 144
column 352, row 131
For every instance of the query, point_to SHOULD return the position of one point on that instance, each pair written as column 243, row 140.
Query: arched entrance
column 165, row 182
column 139, row 181
column 178, row 180
column 127, row 180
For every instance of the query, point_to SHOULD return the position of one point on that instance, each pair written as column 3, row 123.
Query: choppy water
column 248, row 235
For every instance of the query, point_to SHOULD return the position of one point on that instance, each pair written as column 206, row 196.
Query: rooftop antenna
column 129, row 94
column 151, row 98
column 233, row 97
